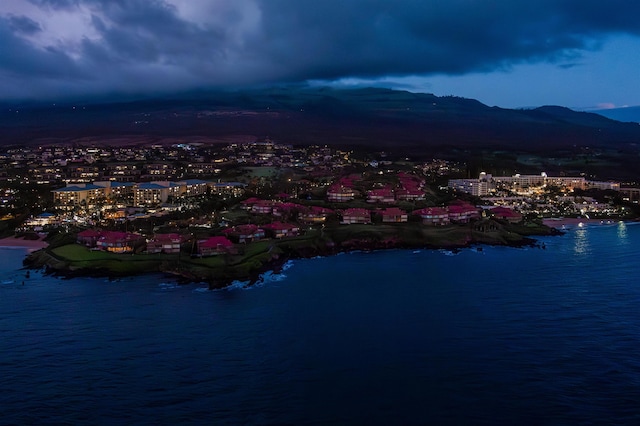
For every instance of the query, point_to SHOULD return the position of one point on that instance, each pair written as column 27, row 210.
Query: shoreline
column 250, row 269
column 571, row 222
column 21, row 243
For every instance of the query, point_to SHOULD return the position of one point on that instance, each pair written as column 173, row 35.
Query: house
column 462, row 213
column 244, row 233
column 356, row 216
column 88, row 237
column 315, row 214
column 410, row 194
column 249, row 202
column 214, row 246
column 287, row 210
column 166, row 243
column 381, row 195
column 281, row 230
column 262, row 207
column 393, row 215
column 433, row 215
column 118, row 242
column 506, row 213
column 339, row 193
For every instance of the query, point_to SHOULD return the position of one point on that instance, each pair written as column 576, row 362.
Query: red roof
column 248, row 229
column 319, row 210
column 431, row 211
column 504, row 212
column 382, row 192
column 356, row 212
column 393, row 211
column 462, row 208
column 251, row 200
column 279, row 226
column 90, row 233
column 113, row 236
column 216, row 242
column 170, row 237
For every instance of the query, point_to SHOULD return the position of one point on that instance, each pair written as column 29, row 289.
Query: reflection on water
column 622, row 233
column 581, row 241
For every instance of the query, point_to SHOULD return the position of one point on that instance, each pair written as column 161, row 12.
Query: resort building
column 340, row 194
column 394, row 215
column 506, row 213
column 215, row 246
column 154, row 193
column 462, row 213
column 281, row 230
column 433, row 215
column 80, row 193
column 244, row 233
column 351, row 216
column 315, row 214
column 119, row 242
column 487, row 183
column 166, row 243
column 382, row 195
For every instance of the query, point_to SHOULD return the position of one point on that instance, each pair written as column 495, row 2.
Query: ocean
column 486, row 335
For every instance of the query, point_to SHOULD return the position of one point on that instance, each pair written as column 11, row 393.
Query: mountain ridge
column 378, row 117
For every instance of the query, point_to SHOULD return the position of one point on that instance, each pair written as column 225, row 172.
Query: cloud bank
column 61, row 48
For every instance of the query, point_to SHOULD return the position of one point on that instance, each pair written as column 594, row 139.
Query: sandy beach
column 31, row 245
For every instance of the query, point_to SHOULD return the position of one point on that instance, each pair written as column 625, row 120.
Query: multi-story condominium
column 475, row 187
column 592, row 184
column 80, row 193
column 485, row 183
column 154, row 193
column 193, row 187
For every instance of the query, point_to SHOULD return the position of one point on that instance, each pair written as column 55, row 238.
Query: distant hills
column 373, row 117
column 627, row 114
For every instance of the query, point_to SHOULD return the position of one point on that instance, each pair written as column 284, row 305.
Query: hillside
column 388, row 119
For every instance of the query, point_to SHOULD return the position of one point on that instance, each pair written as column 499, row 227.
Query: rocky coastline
column 252, row 264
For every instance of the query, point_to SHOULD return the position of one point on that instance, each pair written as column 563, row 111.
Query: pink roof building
column 281, row 230
column 394, row 215
column 506, row 213
column 433, row 215
column 381, row 195
column 350, row 216
column 214, row 246
column 166, row 243
column 462, row 212
column 340, row 193
column 88, row 237
column 118, row 242
column 245, row 233
column 315, row 214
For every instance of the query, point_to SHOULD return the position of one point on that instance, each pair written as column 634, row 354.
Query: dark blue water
column 498, row 336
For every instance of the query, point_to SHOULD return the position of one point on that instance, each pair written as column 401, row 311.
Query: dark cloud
column 145, row 45
column 23, row 24
column 18, row 58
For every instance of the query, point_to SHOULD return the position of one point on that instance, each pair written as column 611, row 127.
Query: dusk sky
column 510, row 53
